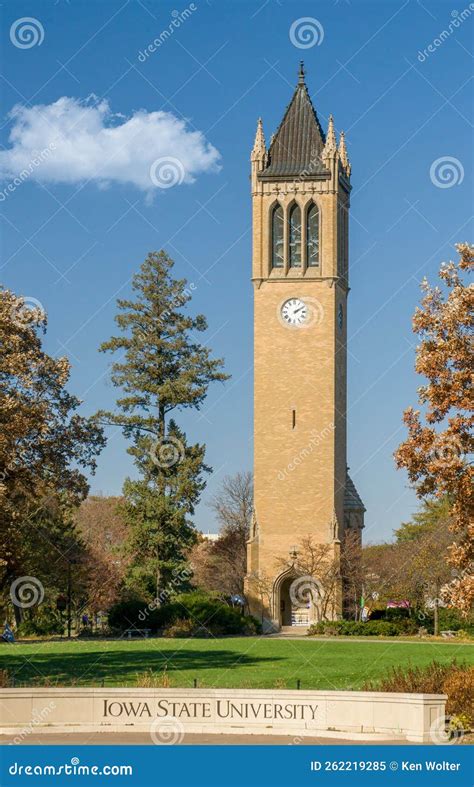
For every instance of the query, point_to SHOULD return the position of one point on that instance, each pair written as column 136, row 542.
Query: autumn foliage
column 437, row 451
column 45, row 447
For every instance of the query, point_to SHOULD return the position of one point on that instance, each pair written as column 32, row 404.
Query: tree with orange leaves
column 440, row 443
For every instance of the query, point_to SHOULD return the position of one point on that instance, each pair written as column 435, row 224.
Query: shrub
column 418, row 680
column 459, row 686
column 150, row 680
column 390, row 614
column 135, row 612
column 450, row 619
column 251, row 626
column 209, row 615
column 218, row 618
column 401, row 617
column 5, row 681
column 455, row 680
column 186, row 628
column 353, row 628
column 40, row 626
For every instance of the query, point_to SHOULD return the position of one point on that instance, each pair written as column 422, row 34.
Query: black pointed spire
column 295, row 150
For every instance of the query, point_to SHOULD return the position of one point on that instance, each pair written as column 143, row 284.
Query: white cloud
column 87, row 141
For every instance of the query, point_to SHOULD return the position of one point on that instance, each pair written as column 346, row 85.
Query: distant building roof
column 295, row 150
column 210, row 536
column 351, row 496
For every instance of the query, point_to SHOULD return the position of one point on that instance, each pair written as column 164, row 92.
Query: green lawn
column 232, row 663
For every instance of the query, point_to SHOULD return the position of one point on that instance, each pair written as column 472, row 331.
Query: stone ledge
column 299, row 713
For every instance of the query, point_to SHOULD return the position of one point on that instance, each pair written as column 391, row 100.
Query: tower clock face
column 294, row 312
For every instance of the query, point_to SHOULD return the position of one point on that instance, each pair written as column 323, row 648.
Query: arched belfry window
column 312, row 236
column 277, row 237
column 294, row 236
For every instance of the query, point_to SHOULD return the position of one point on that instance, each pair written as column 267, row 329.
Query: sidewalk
column 143, row 739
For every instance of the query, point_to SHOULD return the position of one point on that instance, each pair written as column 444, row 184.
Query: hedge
column 205, row 611
column 352, row 628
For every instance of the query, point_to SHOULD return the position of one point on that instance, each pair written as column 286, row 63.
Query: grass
column 250, row 662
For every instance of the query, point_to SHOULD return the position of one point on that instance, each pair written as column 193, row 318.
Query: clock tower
column 304, row 499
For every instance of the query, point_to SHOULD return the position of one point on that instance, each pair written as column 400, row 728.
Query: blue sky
column 73, row 241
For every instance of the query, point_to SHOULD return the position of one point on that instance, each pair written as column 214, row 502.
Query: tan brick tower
column 303, row 496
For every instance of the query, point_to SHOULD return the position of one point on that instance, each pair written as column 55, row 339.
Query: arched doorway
column 296, row 600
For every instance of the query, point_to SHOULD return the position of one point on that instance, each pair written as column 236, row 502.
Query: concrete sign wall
column 169, row 713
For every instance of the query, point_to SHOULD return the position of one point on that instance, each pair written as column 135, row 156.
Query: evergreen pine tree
column 162, row 368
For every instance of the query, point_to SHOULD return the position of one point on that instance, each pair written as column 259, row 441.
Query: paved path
column 140, row 739
column 391, row 640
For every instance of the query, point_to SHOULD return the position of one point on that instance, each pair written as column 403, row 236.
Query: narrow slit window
column 294, row 237
column 312, row 236
column 277, row 237
column 293, row 419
